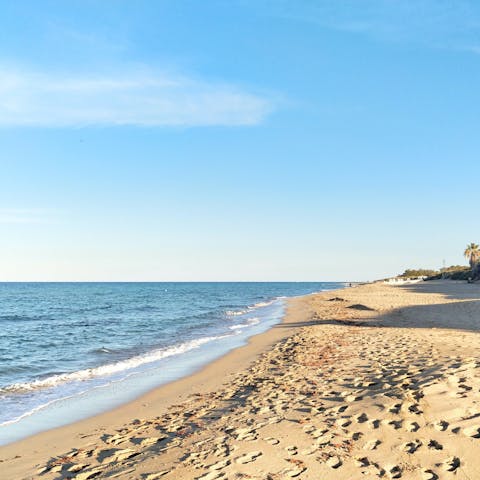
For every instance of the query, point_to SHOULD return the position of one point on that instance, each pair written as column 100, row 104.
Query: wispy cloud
column 128, row 97
column 26, row 216
column 452, row 24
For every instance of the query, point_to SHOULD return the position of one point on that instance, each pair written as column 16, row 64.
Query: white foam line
column 109, row 369
column 235, row 313
column 250, row 323
column 250, row 308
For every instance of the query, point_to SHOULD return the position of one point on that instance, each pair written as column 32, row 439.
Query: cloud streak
column 451, row 24
column 41, row 99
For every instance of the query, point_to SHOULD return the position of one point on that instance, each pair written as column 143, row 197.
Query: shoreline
column 377, row 381
column 160, row 398
column 93, row 401
column 121, row 381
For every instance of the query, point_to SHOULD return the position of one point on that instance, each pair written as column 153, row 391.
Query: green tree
column 472, row 254
column 418, row 272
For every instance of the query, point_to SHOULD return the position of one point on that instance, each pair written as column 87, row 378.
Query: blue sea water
column 70, row 350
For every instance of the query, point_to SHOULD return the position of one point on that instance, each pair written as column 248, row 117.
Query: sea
column 72, row 350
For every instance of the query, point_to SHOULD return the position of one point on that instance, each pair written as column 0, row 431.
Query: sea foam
column 109, row 369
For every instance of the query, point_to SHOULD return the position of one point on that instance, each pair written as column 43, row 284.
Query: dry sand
column 372, row 382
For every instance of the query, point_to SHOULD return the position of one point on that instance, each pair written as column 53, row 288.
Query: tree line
column 455, row 272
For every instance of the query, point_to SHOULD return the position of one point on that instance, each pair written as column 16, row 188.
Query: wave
column 104, row 350
column 108, row 369
column 22, row 318
column 34, row 410
column 264, row 303
column 236, row 313
column 250, row 323
column 91, row 309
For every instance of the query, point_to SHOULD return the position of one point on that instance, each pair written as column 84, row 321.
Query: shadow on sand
column 461, row 313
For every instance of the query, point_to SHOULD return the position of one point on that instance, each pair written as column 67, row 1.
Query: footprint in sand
column 310, row 450
column 413, row 426
column 295, row 471
column 362, row 418
column 451, row 464
column 319, row 432
column 441, row 426
column 374, row 423
column 394, row 472
column 272, row 441
column 372, row 444
column 356, row 436
column 396, row 424
column 343, row 422
column 249, row 457
column 324, row 439
column 396, row 408
column 156, row 475
column 361, row 462
column 246, row 434
column 116, row 455
column 473, row 432
column 211, row 476
column 334, row 462
column 219, row 465
column 353, row 398
column 291, row 449
column 415, row 408
column 433, row 444
column 114, row 439
column 75, row 468
column 429, row 475
column 149, row 441
column 412, row 447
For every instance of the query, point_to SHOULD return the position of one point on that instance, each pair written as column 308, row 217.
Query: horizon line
column 182, row 281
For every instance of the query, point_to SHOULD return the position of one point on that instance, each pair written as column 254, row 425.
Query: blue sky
column 237, row 140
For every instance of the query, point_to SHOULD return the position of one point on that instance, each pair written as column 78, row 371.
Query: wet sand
column 375, row 381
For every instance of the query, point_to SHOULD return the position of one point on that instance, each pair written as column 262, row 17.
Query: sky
column 176, row 140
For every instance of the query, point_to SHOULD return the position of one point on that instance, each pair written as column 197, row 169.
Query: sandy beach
column 374, row 381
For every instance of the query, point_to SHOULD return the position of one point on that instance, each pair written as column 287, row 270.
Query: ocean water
column 71, row 350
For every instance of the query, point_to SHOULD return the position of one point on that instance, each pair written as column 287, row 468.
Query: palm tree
column 472, row 253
